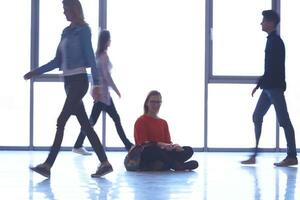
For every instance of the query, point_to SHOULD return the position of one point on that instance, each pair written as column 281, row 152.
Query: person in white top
column 105, row 102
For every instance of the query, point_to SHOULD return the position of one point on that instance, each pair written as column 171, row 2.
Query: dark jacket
column 274, row 75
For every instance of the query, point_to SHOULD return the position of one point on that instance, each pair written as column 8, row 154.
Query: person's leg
column 278, row 100
column 91, row 134
column 262, row 106
column 105, row 167
column 154, row 154
column 75, row 90
column 112, row 112
column 96, row 110
column 182, row 156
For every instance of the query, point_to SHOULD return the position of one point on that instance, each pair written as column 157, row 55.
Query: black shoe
column 250, row 161
column 189, row 165
column 102, row 170
column 42, row 169
column 287, row 162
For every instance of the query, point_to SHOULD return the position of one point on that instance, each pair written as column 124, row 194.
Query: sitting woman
column 161, row 154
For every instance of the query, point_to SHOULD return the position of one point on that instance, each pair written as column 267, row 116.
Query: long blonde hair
column 76, row 10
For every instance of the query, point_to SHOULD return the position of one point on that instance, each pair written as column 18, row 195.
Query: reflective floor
column 219, row 176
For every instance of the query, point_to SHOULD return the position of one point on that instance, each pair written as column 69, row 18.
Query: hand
column 96, row 94
column 29, row 75
column 168, row 147
column 118, row 93
column 253, row 91
column 177, row 147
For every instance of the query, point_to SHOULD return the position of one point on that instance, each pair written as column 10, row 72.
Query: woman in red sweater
column 164, row 155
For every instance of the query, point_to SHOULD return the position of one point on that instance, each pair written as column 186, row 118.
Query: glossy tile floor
column 219, row 176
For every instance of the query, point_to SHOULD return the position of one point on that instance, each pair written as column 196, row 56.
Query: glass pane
column 238, row 41
column 15, row 61
column 290, row 35
column 50, row 32
column 47, row 110
column 159, row 47
column 230, row 125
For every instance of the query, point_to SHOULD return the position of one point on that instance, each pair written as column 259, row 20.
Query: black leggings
column 112, row 112
column 76, row 87
column 169, row 159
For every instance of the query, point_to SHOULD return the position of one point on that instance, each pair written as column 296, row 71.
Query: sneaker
column 102, row 170
column 250, row 161
column 189, row 165
column 81, row 151
column 287, row 162
column 42, row 169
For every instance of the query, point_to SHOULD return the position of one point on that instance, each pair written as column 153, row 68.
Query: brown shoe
column 250, row 161
column 287, row 162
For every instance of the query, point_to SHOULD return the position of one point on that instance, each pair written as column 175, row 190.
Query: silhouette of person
column 273, row 86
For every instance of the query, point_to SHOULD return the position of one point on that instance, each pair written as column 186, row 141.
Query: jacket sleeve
column 55, row 63
column 259, row 82
column 88, row 54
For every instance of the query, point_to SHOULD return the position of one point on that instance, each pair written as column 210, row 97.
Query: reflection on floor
column 219, row 176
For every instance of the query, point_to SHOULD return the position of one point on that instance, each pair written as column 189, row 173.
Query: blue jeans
column 266, row 99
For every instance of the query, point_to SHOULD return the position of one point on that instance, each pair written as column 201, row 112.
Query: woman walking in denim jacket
column 105, row 102
column 74, row 54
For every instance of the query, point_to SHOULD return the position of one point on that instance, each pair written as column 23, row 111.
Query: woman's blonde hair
column 76, row 9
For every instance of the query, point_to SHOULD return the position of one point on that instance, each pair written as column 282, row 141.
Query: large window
column 15, row 45
column 238, row 41
column 238, row 44
column 202, row 55
column 290, row 35
column 159, row 44
column 230, row 122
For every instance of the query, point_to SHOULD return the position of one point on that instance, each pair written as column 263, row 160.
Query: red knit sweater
column 149, row 129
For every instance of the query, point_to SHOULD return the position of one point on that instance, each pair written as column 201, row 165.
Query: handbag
column 133, row 158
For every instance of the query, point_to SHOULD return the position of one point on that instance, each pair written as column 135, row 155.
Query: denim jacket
column 79, row 53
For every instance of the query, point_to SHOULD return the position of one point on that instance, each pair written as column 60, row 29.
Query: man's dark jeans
column 266, row 99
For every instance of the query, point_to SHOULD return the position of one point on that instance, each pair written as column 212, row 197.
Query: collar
column 272, row 34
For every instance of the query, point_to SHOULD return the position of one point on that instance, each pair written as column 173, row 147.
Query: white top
column 106, row 81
